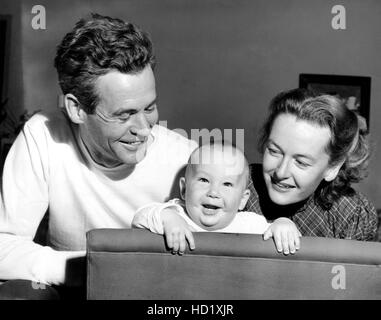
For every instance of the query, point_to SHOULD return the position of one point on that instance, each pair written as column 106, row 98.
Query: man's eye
column 124, row 116
column 228, row 184
column 151, row 108
column 203, row 180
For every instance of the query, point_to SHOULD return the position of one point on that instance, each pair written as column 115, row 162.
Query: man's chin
column 133, row 158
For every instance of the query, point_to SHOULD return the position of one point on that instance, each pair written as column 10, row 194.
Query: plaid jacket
column 351, row 217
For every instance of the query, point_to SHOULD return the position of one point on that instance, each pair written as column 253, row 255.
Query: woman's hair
column 348, row 143
column 94, row 47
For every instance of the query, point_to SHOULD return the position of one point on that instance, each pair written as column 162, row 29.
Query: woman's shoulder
column 356, row 202
column 355, row 216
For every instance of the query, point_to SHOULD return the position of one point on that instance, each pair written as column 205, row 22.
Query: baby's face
column 214, row 193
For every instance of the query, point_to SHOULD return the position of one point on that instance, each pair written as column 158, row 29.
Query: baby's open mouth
column 210, row 206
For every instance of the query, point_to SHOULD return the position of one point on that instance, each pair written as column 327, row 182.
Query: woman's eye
column 302, row 164
column 228, row 184
column 273, row 151
column 203, row 180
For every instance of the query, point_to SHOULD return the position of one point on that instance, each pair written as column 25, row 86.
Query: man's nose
column 141, row 126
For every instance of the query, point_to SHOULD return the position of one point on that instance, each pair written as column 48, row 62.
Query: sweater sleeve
column 149, row 216
column 24, row 201
column 364, row 222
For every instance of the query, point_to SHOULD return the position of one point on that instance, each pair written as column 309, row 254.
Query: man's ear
column 73, row 109
column 245, row 198
column 332, row 172
column 182, row 188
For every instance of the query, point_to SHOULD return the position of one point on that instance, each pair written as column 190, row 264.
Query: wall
column 13, row 88
column 221, row 61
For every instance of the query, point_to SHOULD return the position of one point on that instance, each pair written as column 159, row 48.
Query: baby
column 213, row 192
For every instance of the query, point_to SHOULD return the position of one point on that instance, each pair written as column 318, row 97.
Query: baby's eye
column 203, row 180
column 228, row 184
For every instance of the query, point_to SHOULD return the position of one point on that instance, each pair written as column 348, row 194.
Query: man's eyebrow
column 121, row 110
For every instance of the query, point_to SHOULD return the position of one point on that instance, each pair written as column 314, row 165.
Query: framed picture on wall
column 353, row 90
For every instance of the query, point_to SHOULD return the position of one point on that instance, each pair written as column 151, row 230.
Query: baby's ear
column 245, row 198
column 182, row 188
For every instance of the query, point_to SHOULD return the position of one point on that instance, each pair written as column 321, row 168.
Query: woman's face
column 295, row 160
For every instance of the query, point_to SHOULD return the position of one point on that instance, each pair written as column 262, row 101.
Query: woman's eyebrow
column 306, row 156
column 299, row 155
column 275, row 144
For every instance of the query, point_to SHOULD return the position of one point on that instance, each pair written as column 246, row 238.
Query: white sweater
column 48, row 167
column 149, row 217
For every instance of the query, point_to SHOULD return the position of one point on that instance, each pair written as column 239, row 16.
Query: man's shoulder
column 51, row 120
column 50, row 126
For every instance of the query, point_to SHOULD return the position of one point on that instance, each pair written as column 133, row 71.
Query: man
column 93, row 165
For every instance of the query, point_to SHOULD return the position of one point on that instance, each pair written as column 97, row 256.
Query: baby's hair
column 223, row 144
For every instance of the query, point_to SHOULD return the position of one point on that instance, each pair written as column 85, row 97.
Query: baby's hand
column 177, row 232
column 285, row 234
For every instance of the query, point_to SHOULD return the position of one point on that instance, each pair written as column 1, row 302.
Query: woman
column 313, row 149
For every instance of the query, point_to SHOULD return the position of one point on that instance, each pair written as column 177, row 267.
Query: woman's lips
column 281, row 186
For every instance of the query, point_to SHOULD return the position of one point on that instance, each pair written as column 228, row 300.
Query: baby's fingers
column 190, row 239
column 182, row 243
column 291, row 242
column 285, row 244
column 169, row 240
column 278, row 242
column 268, row 234
column 176, row 243
column 297, row 240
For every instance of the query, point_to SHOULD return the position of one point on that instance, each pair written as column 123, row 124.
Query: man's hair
column 96, row 46
column 348, row 139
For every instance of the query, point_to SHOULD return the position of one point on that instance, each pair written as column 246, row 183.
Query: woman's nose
column 283, row 171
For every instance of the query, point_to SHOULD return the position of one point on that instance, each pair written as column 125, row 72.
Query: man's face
column 295, row 160
column 215, row 191
column 119, row 130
